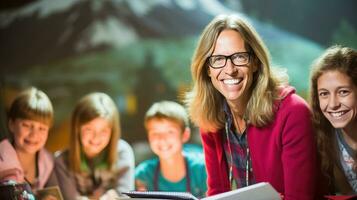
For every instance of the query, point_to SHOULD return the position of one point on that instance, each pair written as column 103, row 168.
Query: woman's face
column 95, row 136
column 29, row 135
column 338, row 99
column 233, row 82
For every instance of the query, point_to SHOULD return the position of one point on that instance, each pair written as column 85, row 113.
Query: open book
column 259, row 191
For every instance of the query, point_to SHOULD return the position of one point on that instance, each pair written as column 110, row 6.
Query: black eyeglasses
column 238, row 59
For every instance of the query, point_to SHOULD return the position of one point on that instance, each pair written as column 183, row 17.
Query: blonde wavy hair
column 205, row 103
column 88, row 108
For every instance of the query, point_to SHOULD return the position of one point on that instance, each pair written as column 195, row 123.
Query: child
column 98, row 162
column 166, row 123
column 23, row 156
column 333, row 98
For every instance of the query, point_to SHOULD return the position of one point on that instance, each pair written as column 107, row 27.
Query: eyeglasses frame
column 230, row 58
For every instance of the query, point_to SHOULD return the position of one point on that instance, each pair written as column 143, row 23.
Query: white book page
column 259, row 191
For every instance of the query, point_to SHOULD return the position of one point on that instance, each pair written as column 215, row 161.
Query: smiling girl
column 98, row 163
column 334, row 103
column 23, row 157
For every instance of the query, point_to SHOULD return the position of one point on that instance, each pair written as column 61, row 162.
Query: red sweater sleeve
column 298, row 150
column 217, row 179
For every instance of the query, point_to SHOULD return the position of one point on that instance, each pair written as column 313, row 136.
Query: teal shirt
column 145, row 172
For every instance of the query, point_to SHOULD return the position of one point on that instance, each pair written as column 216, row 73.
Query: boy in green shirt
column 166, row 123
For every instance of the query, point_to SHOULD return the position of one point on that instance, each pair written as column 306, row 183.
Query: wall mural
column 136, row 51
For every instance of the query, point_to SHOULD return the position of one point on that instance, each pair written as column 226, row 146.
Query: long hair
column 32, row 104
column 335, row 58
column 205, row 103
column 88, row 108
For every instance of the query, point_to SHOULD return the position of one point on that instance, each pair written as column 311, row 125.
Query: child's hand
column 140, row 186
column 109, row 195
column 97, row 193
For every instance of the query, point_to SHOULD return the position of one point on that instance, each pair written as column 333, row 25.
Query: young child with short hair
column 23, row 157
column 167, row 126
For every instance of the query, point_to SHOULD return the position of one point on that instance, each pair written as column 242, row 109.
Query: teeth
column 231, row 81
column 337, row 114
column 164, row 148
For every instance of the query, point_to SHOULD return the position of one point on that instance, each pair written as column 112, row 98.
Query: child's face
column 166, row 137
column 29, row 135
column 338, row 98
column 95, row 136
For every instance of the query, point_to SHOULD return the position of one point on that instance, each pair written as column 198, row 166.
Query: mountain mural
column 135, row 50
column 53, row 30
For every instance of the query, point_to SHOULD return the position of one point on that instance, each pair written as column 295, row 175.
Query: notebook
column 160, row 195
column 259, row 191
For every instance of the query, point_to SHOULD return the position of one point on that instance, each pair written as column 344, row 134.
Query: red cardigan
column 283, row 153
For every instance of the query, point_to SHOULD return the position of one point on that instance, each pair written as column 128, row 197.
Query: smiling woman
column 333, row 98
column 254, row 127
column 235, row 77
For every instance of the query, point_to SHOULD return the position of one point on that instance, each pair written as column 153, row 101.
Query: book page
column 259, row 191
column 160, row 195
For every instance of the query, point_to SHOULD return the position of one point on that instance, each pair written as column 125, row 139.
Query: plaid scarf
column 236, row 152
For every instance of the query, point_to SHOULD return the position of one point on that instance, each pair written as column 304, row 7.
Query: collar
column 228, row 114
column 98, row 162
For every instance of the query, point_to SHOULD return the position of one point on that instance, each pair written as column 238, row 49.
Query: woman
column 333, row 98
column 254, row 127
column 98, row 163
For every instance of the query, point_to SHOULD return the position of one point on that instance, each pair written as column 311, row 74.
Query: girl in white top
column 97, row 164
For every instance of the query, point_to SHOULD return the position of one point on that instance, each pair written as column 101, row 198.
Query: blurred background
column 139, row 51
